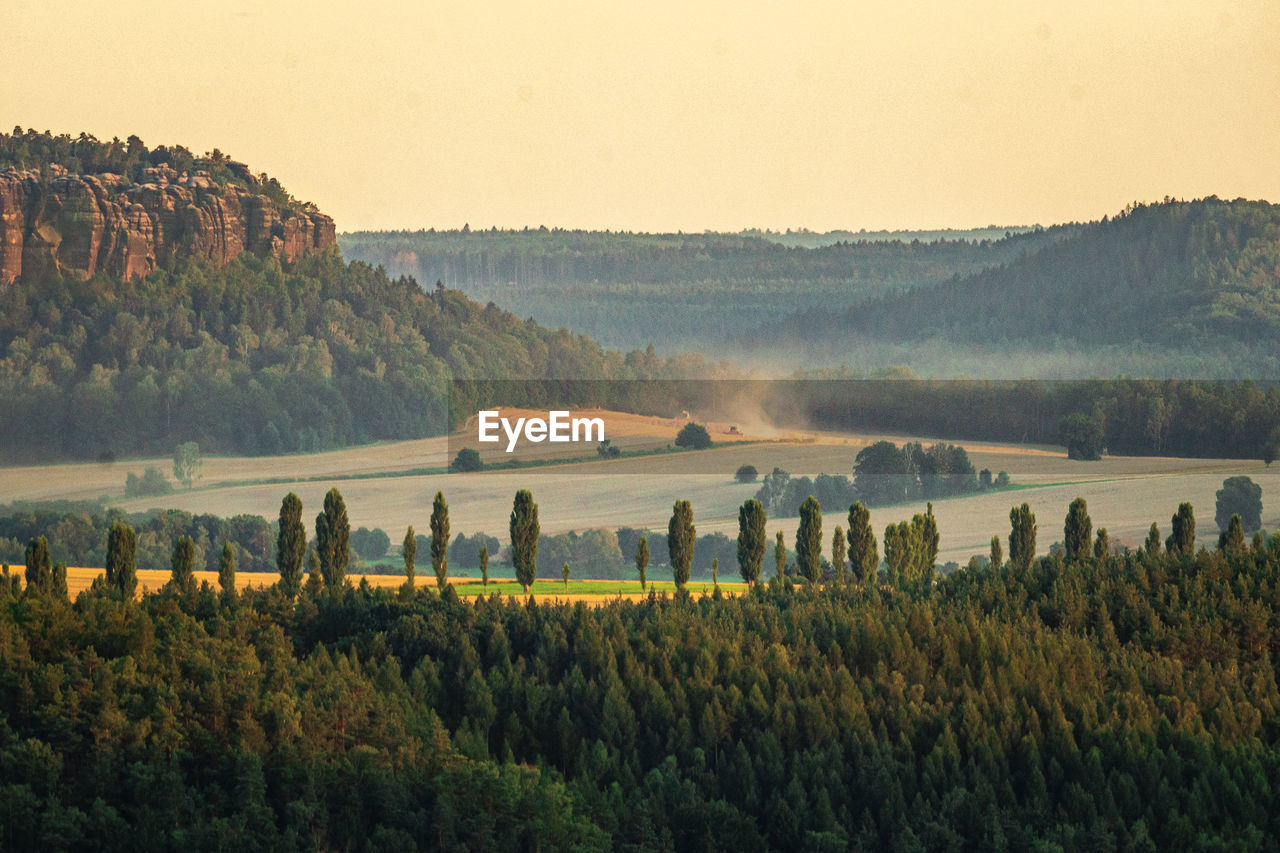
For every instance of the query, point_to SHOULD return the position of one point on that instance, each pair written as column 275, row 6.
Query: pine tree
column 642, row 559
column 1078, row 531
column 837, row 554
column 751, row 540
column 122, row 565
column 409, row 550
column 291, row 545
column 809, row 540
column 864, row 554
column 1102, row 547
column 524, row 538
column 183, row 563
column 315, row 579
column 440, row 540
column 1022, row 536
column 681, row 535
column 227, row 571
column 1231, row 540
column 333, row 534
column 1153, row 541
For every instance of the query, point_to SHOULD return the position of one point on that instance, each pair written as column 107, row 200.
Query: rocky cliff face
column 78, row 225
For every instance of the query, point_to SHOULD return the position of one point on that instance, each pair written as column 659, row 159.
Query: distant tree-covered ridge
column 704, row 292
column 1178, row 274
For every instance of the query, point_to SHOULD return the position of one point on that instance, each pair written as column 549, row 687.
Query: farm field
column 1125, row 494
column 80, row 578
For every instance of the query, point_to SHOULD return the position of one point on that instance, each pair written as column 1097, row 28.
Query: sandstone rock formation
column 78, row 225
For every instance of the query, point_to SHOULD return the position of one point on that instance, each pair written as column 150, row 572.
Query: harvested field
column 1125, row 494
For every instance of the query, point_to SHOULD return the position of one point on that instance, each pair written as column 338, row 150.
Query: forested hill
column 149, row 296
column 257, row 356
column 681, row 292
column 1175, row 274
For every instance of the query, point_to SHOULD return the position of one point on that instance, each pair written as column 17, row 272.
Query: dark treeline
column 260, row 359
column 1122, row 703
column 1136, row 417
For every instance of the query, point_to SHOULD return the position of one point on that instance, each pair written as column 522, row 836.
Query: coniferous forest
column 1111, row 702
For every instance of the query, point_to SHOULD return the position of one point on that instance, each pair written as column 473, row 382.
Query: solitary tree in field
column 1183, row 538
column 715, row 572
column 642, row 559
column 564, row 573
column 291, row 545
column 751, row 540
column 1081, row 435
column 183, row 564
column 997, row 553
column 227, row 572
column 837, row 554
column 122, row 559
column 746, row 474
column 1152, row 545
column 1078, row 531
column 409, row 550
column 484, row 565
column 680, row 538
column 809, row 540
column 1022, row 536
column 1102, row 547
column 440, row 539
column 780, row 555
column 524, row 538
column 39, row 568
column 693, row 436
column 333, row 535
column 1239, row 496
column 864, row 554
column 186, row 463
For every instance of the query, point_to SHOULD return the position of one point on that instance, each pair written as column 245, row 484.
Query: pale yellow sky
column 678, row 115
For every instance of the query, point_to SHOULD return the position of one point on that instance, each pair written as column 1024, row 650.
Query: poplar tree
column 39, row 569
column 122, row 559
column 864, row 554
column 1183, row 538
column 333, row 534
column 997, row 553
column 484, row 565
column 524, row 538
column 1102, row 547
column 751, row 540
column 227, row 571
column 1078, row 531
column 642, row 559
column 409, row 550
column 1022, row 536
column 1153, row 541
column 291, row 545
column 440, row 539
column 182, row 563
column 809, row 540
column 780, row 555
column 680, row 539
column 837, row 555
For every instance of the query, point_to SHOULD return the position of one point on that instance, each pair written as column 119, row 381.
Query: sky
column 692, row 115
